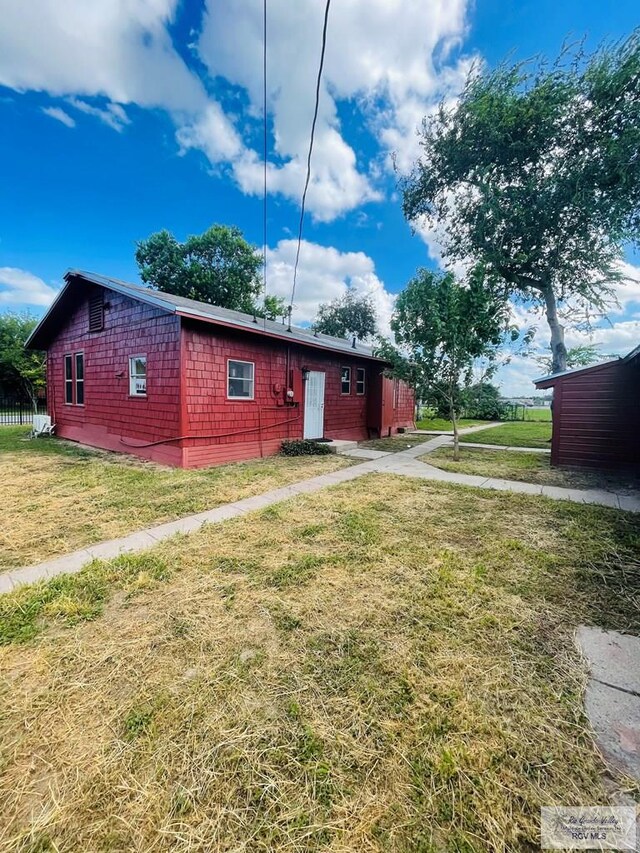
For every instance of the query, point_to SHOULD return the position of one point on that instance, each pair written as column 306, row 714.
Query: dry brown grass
column 57, row 497
column 384, row 666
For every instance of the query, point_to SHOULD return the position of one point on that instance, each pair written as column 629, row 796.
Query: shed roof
column 550, row 380
column 195, row 310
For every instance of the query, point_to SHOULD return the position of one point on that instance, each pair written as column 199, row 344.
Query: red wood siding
column 223, row 430
column 406, row 407
column 596, row 417
column 186, row 417
column 110, row 418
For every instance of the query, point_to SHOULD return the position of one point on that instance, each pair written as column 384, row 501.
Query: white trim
column 75, row 377
column 67, row 355
column 252, row 379
column 362, row 381
column 133, row 377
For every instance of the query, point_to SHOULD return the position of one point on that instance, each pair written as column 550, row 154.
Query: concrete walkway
column 404, row 463
column 612, row 699
column 463, row 431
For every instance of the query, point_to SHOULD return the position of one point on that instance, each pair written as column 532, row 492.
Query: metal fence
column 17, row 412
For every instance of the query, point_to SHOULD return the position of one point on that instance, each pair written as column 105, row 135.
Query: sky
column 122, row 117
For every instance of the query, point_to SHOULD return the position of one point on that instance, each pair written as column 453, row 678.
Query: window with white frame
column 79, row 379
column 360, row 381
column 138, row 376
column 240, row 380
column 345, row 380
column 68, row 379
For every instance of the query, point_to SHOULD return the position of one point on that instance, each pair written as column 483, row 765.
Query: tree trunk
column 558, row 349
column 456, row 439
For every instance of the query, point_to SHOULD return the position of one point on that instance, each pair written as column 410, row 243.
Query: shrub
column 304, row 447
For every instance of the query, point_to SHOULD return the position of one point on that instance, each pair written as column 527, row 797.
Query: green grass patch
column 537, row 413
column 444, row 424
column 514, row 434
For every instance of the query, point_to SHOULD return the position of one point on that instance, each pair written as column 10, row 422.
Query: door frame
column 306, row 398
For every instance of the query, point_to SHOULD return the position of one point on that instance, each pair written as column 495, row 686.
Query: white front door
column 314, row 405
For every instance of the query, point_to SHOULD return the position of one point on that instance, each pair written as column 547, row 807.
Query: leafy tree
column 347, row 315
column 534, row 173
column 217, row 266
column 443, row 326
column 273, row 307
column 21, row 369
column 482, row 400
column 579, row 356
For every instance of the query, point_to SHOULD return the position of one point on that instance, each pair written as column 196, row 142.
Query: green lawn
column 529, row 468
column 445, row 425
column 385, row 666
column 541, row 413
column 57, row 497
column 514, row 434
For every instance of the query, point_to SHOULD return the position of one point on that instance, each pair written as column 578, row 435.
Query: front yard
column 387, row 665
column 57, row 496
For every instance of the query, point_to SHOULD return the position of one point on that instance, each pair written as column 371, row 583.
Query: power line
column 313, row 130
column 264, row 116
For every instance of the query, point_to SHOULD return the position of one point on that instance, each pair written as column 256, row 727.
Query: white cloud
column 324, row 273
column 113, row 115
column 19, row 287
column 122, row 51
column 119, row 49
column 628, row 292
column 394, row 81
column 59, row 115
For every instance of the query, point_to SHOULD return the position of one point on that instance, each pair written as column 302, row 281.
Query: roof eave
column 216, row 321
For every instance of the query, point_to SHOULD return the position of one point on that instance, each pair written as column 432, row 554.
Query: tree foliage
column 534, row 174
column 443, row 326
column 482, row 400
column 581, row 355
column 347, row 315
column 272, row 307
column 21, row 370
column 218, row 266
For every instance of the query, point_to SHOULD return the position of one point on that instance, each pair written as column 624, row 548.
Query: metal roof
column 575, row 370
column 205, row 312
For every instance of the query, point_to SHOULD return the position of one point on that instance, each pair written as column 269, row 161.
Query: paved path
column 404, row 463
column 612, row 699
column 463, row 431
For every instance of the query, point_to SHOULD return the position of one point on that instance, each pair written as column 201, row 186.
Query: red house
column 190, row 384
column 596, row 415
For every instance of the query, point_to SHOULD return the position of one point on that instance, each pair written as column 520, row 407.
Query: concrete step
column 339, row 445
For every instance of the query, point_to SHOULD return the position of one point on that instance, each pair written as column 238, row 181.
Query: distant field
column 543, row 413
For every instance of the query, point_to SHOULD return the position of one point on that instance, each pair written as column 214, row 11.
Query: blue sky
column 121, row 117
